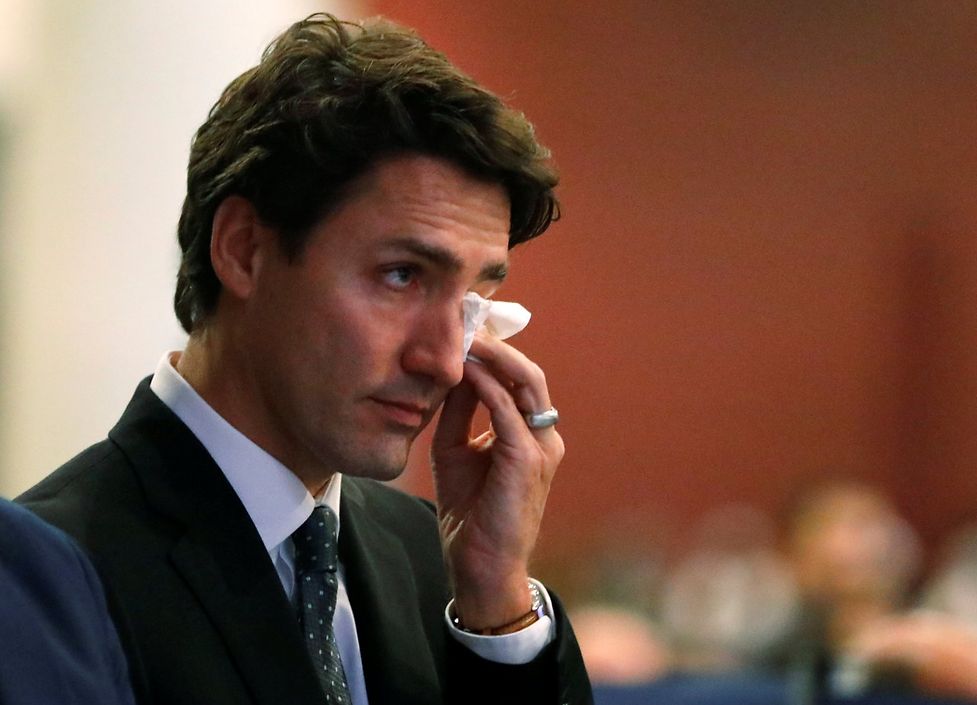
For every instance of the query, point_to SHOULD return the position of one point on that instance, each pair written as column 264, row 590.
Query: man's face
column 352, row 347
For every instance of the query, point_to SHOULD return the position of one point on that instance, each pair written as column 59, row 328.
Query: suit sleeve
column 115, row 668
column 58, row 643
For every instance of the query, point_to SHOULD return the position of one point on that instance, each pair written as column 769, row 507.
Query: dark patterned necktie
column 316, row 557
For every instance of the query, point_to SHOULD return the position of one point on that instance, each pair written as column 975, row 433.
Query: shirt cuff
column 512, row 649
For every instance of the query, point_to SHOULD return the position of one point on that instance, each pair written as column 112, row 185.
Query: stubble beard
column 377, row 459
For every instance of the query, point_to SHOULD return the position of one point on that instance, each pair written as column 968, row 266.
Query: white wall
column 98, row 102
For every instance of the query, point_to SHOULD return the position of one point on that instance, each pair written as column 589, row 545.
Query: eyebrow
column 447, row 260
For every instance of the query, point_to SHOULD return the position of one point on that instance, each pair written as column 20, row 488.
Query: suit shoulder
column 89, row 460
column 79, row 491
column 58, row 637
column 42, row 565
column 25, row 535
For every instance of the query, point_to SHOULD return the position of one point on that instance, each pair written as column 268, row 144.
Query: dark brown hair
column 327, row 100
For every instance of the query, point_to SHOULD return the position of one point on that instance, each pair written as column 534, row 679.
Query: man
column 342, row 198
column 57, row 643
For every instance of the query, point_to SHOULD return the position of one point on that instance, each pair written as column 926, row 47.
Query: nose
column 435, row 344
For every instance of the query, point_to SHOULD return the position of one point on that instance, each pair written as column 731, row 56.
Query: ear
column 237, row 243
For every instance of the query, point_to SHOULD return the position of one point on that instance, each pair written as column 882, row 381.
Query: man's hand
column 492, row 488
column 939, row 651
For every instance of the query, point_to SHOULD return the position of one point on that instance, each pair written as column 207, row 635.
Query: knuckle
column 560, row 447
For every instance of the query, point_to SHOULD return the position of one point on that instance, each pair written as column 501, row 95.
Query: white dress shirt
column 278, row 504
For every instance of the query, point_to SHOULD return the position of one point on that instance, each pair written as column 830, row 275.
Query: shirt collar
column 275, row 499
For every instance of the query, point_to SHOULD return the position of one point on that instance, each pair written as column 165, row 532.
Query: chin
column 387, row 474
column 377, row 471
column 378, row 466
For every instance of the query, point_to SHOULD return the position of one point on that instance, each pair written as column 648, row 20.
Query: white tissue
column 501, row 319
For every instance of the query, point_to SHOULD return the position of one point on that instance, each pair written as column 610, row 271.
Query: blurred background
column 758, row 315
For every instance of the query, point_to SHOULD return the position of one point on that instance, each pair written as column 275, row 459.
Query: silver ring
column 543, row 419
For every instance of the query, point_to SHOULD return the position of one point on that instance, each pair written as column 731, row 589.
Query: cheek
column 362, row 337
column 338, row 329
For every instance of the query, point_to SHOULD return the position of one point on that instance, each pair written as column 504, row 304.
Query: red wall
column 767, row 268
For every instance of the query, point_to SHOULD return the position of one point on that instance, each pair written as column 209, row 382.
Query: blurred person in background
column 620, row 646
column 613, row 583
column 935, row 645
column 952, row 589
column 58, row 645
column 854, row 560
column 934, row 653
column 731, row 595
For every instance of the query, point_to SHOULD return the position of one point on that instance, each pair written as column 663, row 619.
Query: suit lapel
column 250, row 611
column 396, row 649
column 219, row 553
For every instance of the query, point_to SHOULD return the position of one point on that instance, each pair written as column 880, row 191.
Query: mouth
column 403, row 413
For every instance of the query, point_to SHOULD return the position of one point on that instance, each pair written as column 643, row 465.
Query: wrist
column 486, row 601
column 533, row 597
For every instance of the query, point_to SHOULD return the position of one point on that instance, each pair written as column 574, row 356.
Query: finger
column 507, row 421
column 484, row 441
column 455, row 425
column 526, row 380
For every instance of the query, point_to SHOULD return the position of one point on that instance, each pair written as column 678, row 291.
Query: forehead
column 434, row 193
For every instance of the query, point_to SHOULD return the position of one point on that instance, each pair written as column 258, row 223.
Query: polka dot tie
column 315, row 575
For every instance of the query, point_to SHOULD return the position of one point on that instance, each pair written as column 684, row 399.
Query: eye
column 400, row 277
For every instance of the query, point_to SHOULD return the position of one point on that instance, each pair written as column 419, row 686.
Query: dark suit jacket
column 57, row 642
column 202, row 613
